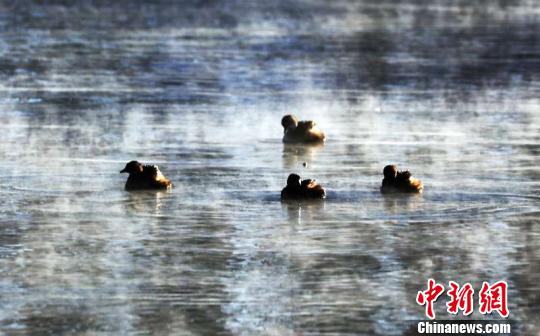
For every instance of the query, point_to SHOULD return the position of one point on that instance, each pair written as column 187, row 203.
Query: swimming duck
column 300, row 131
column 399, row 181
column 144, row 177
column 298, row 189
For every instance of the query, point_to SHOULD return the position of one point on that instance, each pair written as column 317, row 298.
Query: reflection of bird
column 144, row 177
column 306, row 189
column 296, row 154
column 147, row 201
column 300, row 131
column 399, row 181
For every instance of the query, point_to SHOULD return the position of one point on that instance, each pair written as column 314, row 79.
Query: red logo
column 494, row 298
column 491, row 298
column 429, row 296
column 460, row 299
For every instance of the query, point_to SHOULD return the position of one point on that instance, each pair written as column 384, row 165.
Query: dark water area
column 446, row 89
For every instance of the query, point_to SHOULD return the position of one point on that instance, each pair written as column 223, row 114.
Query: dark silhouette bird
column 399, row 181
column 297, row 189
column 301, row 131
column 144, row 177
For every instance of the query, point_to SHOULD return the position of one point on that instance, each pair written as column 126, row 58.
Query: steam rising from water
column 447, row 91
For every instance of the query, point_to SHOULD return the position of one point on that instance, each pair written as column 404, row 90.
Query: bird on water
column 305, row 131
column 399, row 181
column 145, row 177
column 298, row 189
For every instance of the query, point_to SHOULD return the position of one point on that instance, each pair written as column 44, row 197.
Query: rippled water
column 449, row 91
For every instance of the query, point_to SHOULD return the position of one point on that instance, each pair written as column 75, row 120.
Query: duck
column 298, row 189
column 399, row 181
column 145, row 177
column 305, row 131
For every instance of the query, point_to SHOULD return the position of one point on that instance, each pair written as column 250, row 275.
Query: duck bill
column 123, row 170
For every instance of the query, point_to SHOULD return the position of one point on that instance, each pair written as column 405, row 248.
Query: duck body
column 395, row 181
column 145, row 177
column 302, row 190
column 296, row 131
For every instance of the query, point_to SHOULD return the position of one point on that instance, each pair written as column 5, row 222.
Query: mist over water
column 447, row 90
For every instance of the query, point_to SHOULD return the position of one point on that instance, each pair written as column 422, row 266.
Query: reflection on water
column 297, row 157
column 448, row 91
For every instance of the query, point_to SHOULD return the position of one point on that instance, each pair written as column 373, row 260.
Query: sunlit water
column 448, row 91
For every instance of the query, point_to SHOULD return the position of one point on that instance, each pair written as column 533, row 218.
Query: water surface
column 449, row 91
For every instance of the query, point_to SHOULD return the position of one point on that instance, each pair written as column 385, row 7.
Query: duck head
column 133, row 167
column 390, row 172
column 293, row 181
column 289, row 121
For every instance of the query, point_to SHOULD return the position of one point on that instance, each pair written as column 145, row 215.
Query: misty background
column 446, row 89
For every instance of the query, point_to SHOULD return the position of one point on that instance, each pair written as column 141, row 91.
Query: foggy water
column 449, row 91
